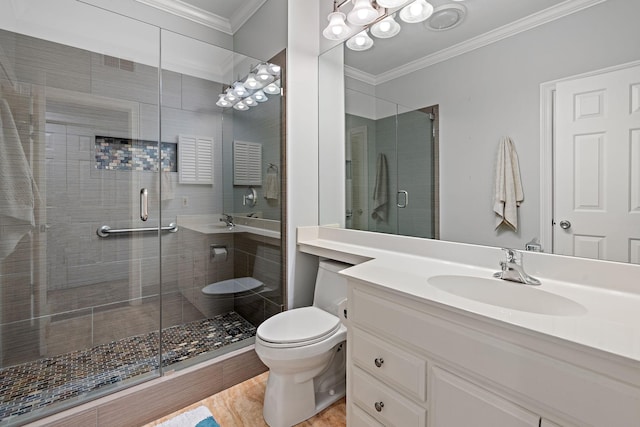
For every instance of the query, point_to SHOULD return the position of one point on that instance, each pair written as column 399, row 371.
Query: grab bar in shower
column 105, row 230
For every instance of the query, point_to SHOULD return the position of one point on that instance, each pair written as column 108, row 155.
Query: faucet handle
column 512, row 255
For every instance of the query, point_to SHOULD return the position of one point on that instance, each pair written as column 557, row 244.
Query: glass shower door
column 79, row 280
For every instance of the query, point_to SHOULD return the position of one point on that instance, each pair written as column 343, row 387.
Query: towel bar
column 105, row 230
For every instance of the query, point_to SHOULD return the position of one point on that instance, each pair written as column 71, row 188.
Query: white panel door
column 597, row 167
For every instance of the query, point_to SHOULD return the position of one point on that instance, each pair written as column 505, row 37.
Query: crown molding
column 192, row 13
column 540, row 18
column 360, row 75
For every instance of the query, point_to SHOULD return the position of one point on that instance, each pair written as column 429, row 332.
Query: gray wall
column 493, row 92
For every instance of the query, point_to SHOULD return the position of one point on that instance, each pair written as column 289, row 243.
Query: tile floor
column 35, row 385
column 241, row 406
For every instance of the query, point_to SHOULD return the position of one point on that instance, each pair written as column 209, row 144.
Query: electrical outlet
column 185, row 202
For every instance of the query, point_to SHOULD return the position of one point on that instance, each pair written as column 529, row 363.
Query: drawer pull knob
column 379, row 361
column 379, row 406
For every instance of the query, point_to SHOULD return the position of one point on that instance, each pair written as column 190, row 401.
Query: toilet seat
column 298, row 327
column 232, row 286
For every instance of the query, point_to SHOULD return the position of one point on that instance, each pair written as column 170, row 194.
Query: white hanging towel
column 381, row 190
column 272, row 184
column 17, row 187
column 508, row 192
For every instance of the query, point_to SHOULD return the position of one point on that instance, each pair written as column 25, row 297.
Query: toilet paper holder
column 217, row 252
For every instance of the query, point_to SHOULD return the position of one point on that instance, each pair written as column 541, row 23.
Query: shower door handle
column 144, row 204
column 405, row 203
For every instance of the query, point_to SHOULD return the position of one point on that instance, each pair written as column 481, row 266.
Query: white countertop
column 608, row 318
column 211, row 224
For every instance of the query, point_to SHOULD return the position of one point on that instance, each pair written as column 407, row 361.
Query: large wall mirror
column 497, row 74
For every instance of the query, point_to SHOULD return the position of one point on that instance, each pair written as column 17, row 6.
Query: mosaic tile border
column 35, row 385
column 134, row 155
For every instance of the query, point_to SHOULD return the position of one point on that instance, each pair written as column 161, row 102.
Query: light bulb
column 250, row 101
column 337, row 28
column 230, row 96
column 260, row 96
column 360, row 41
column 222, row 102
column 251, row 82
column 239, row 89
column 415, row 9
column 386, row 28
column 273, row 69
column 362, row 13
column 241, row 106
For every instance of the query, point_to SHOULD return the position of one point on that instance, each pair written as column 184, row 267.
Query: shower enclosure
column 391, row 167
column 116, row 165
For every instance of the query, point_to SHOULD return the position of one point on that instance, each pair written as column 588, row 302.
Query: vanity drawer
column 383, row 404
column 359, row 418
column 390, row 364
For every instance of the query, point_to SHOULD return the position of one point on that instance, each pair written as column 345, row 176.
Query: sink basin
column 510, row 295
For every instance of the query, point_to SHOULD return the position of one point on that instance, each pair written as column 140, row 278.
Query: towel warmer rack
column 106, row 231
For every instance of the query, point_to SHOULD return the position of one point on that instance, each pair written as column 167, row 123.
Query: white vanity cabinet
column 413, row 362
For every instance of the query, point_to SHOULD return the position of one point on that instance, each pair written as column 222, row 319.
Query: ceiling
column 486, row 21
column 415, row 47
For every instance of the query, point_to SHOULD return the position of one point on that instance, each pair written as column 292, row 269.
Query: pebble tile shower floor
column 34, row 385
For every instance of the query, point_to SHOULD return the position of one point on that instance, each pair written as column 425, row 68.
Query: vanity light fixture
column 416, row 11
column 337, row 28
column 386, row 28
column 250, row 91
column 363, row 13
column 377, row 17
column 391, row 3
column 360, row 41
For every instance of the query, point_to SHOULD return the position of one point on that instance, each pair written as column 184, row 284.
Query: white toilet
column 305, row 351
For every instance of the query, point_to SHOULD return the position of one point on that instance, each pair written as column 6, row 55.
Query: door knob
column 565, row 225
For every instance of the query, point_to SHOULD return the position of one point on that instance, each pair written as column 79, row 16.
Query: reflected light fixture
column 239, row 89
column 223, row 102
column 260, row 96
column 386, row 28
column 416, row 11
column 363, row 13
column 241, row 106
column 250, row 91
column 252, row 83
column 263, row 75
column 273, row 88
column 360, row 41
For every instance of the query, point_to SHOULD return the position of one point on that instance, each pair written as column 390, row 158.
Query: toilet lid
column 232, row 286
column 298, row 326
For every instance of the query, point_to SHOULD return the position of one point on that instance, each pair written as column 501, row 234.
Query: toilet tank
column 331, row 287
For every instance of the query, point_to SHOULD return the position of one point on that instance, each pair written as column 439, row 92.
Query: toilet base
column 288, row 402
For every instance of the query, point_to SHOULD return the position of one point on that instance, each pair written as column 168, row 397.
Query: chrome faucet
column 513, row 270
column 228, row 219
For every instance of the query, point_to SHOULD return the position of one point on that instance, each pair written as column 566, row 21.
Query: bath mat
column 198, row 417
